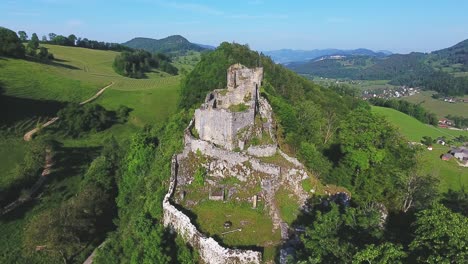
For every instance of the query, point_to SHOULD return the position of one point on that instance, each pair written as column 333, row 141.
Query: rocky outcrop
column 228, row 140
column 210, row 251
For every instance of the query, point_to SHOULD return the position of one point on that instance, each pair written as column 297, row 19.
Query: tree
column 52, row 36
column 44, row 39
column 382, row 254
column 440, row 236
column 10, row 44
column 23, row 36
column 72, row 40
column 34, row 42
column 43, row 53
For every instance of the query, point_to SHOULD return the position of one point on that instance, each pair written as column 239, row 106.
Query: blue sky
column 399, row 26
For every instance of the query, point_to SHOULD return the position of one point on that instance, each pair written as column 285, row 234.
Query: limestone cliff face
column 227, row 111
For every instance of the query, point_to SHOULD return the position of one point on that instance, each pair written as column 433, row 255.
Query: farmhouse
column 460, row 153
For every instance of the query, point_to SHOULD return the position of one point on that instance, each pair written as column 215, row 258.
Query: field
column 412, row 128
column 438, row 107
column 255, row 224
column 35, row 91
column 451, row 175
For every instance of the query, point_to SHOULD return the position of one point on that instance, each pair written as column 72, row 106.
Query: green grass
column 255, row 223
column 238, row 107
column 75, row 76
column 438, row 107
column 287, row 204
column 451, row 175
column 413, row 129
column 12, row 151
column 64, row 183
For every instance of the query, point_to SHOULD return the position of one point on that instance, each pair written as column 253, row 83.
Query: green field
column 255, row 224
column 412, row 128
column 438, row 107
column 451, row 175
column 36, row 91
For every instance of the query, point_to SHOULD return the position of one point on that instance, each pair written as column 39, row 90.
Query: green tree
column 440, row 236
column 10, row 44
column 34, row 42
column 72, row 40
column 381, row 254
column 23, row 36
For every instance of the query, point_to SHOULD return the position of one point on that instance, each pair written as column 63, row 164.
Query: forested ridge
column 339, row 140
column 414, row 69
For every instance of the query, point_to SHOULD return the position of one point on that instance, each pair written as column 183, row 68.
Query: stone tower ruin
column 227, row 111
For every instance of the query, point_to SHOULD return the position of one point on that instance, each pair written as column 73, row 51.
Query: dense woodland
column 135, row 64
column 350, row 147
column 414, row 69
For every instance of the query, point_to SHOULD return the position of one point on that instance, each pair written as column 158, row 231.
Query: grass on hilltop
column 413, row 129
column 451, row 175
column 256, row 225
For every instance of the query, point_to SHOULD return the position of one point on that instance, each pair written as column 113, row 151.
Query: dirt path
column 28, row 136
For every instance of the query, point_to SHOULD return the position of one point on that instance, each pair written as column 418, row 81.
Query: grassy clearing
column 412, row 128
column 12, row 151
column 36, row 91
column 438, row 107
column 451, row 175
column 256, row 224
column 64, row 183
column 287, row 204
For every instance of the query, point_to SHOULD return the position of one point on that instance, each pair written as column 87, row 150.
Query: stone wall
column 220, row 126
column 210, row 251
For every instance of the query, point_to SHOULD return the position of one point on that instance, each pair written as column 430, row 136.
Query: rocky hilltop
column 231, row 155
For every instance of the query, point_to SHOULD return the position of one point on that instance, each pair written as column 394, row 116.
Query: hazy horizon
column 399, row 26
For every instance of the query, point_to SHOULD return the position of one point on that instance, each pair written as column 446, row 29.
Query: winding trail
column 28, row 136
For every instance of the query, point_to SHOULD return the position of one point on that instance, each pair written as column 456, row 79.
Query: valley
column 123, row 140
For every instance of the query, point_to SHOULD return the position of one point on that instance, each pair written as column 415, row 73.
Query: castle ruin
column 217, row 120
column 228, row 137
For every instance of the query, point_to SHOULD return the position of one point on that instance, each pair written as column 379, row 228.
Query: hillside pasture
column 437, row 106
column 413, row 129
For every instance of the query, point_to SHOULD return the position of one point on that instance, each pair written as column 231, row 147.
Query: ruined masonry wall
column 210, row 251
column 221, row 126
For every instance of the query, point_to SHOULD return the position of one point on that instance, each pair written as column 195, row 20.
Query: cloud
column 196, row 8
column 264, row 16
column 22, row 13
column 74, row 23
column 336, row 20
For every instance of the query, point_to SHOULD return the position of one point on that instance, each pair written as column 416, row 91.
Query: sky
column 396, row 25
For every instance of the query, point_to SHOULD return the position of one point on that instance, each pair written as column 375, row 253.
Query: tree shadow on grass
column 14, row 109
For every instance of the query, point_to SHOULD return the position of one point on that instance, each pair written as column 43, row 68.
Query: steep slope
column 173, row 44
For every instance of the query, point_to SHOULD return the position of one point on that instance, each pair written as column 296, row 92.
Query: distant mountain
column 457, row 54
column 441, row 70
column 284, row 56
column 208, row 47
column 173, row 44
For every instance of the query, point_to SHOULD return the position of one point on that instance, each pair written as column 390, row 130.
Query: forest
column 414, row 110
column 414, row 69
column 350, row 147
column 135, row 64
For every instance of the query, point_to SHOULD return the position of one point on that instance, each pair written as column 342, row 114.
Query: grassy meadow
column 34, row 92
column 413, row 129
column 438, row 107
column 450, row 175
